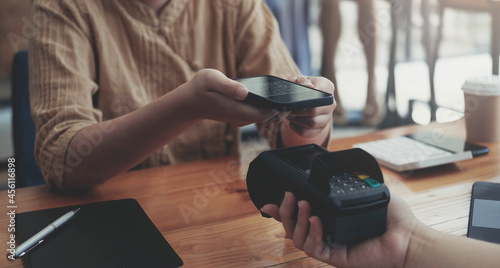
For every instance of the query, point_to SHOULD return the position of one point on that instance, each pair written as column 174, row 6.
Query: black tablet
column 484, row 212
column 449, row 144
column 106, row 234
column 272, row 92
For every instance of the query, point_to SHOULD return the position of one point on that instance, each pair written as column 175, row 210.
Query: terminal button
column 363, row 176
column 372, row 182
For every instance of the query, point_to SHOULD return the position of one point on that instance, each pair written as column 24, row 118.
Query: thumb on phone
column 215, row 80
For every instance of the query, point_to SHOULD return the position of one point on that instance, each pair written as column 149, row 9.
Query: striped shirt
column 93, row 60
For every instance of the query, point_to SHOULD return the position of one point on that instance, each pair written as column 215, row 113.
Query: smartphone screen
column 273, row 92
column 484, row 215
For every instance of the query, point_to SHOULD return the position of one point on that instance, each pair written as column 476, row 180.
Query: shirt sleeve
column 261, row 51
column 62, row 76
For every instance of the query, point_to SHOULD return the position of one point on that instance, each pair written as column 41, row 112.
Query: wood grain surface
column 204, row 211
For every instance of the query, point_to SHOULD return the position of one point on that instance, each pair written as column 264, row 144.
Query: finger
column 279, row 117
column 306, row 132
column 302, row 131
column 303, row 80
column 216, row 81
column 314, row 122
column 287, row 209
column 271, row 210
column 237, row 111
column 327, row 109
column 293, row 78
column 314, row 245
column 322, row 84
column 304, row 112
column 300, row 79
column 263, row 115
column 313, row 112
column 302, row 226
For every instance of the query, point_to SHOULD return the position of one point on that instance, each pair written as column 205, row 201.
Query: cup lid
column 482, row 85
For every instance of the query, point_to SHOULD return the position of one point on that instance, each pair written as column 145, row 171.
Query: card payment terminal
column 346, row 189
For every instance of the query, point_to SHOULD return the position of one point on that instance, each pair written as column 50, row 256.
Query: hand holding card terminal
column 346, row 189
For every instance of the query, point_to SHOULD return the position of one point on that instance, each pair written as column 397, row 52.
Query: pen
column 38, row 238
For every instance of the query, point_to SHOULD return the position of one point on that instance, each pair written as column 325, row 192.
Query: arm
column 130, row 139
column 406, row 243
column 75, row 145
column 430, row 248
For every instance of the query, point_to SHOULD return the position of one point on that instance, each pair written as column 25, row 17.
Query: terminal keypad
column 348, row 182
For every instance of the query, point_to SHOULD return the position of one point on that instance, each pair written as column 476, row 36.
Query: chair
column 400, row 13
column 24, row 130
column 432, row 46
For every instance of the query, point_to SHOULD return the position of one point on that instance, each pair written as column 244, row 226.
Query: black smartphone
column 449, row 144
column 273, row 92
column 484, row 213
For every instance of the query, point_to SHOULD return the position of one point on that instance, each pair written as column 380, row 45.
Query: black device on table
column 272, row 92
column 449, row 143
column 115, row 233
column 346, row 189
column 484, row 214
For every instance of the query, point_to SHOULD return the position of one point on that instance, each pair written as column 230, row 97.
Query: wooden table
column 203, row 208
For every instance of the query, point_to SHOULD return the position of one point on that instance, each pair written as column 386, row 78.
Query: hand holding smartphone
column 268, row 91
